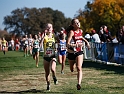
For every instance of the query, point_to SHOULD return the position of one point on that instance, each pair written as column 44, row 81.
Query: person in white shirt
column 87, row 36
column 95, row 37
column 30, row 43
column 12, row 44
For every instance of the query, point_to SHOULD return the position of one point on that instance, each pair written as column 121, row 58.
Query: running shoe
column 78, row 87
column 27, row 54
column 62, row 72
column 55, row 80
column 24, row 55
column 4, row 52
column 48, row 87
column 37, row 66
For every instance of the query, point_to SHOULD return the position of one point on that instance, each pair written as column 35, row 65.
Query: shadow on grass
column 34, row 91
column 102, row 66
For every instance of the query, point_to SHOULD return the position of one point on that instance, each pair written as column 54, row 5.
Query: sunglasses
column 77, row 22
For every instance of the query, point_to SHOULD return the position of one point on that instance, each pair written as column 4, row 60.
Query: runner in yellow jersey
column 4, row 45
column 49, row 61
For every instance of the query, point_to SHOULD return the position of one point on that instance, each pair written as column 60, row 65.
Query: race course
column 19, row 74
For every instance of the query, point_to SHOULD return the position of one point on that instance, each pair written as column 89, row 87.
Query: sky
column 68, row 7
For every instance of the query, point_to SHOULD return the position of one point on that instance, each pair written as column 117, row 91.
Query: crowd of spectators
column 104, row 35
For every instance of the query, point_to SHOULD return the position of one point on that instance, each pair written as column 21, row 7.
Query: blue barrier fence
column 106, row 52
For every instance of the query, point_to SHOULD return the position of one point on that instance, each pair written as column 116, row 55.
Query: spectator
column 95, row 37
column 119, row 35
column 87, row 37
column 102, row 35
column 107, row 34
column 122, row 38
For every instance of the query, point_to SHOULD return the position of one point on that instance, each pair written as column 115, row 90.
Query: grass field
column 20, row 75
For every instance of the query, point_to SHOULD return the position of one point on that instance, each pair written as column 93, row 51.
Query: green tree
column 32, row 20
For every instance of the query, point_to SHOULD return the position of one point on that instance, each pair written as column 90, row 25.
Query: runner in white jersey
column 25, row 45
column 30, row 44
column 12, row 44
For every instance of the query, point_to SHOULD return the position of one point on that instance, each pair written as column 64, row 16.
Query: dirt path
column 31, row 83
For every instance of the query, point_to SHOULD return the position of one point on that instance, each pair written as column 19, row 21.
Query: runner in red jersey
column 75, row 51
column 78, row 40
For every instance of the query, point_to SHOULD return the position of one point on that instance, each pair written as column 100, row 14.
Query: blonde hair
column 48, row 25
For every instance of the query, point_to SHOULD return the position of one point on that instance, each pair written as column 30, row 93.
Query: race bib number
column 79, row 42
column 36, row 46
column 62, row 47
column 78, row 48
column 49, row 52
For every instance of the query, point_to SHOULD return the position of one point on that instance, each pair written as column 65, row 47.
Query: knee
column 79, row 68
column 52, row 69
column 54, row 59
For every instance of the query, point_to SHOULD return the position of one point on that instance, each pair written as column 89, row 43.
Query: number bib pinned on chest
column 49, row 52
column 49, row 46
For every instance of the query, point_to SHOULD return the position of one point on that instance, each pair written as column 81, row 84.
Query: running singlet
column 49, row 46
column 36, row 46
column 62, row 46
column 78, row 40
column 4, row 42
column 30, row 41
column 26, row 42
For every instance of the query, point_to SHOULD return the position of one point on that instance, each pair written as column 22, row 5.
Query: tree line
column 95, row 14
column 33, row 20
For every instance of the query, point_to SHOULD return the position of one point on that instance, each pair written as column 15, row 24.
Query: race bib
column 62, row 47
column 78, row 48
column 36, row 46
column 79, row 42
column 49, row 51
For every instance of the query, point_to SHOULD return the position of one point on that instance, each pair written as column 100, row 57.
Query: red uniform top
column 16, row 41
column 78, row 40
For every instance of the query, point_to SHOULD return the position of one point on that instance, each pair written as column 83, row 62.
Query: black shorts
column 25, row 46
column 72, row 56
column 48, row 59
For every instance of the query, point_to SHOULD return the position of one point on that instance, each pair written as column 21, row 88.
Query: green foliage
column 32, row 20
column 103, row 12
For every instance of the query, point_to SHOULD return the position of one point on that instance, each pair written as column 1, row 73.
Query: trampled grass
column 20, row 75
